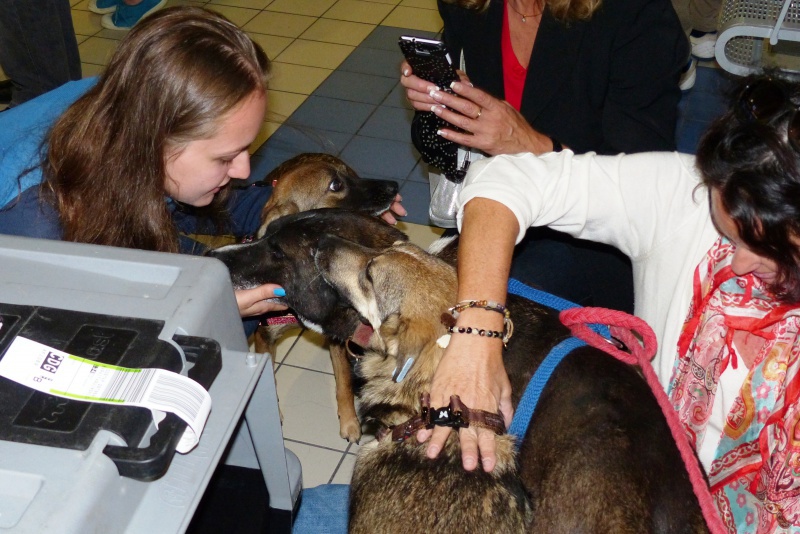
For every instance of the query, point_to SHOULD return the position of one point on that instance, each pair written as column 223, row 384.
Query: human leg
column 38, row 48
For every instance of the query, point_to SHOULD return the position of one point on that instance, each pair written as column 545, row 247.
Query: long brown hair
column 171, row 80
column 563, row 10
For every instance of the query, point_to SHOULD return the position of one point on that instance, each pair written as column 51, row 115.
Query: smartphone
column 429, row 60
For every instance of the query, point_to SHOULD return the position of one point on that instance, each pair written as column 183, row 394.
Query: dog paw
column 350, row 430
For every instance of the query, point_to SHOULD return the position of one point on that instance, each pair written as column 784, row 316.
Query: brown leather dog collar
column 455, row 415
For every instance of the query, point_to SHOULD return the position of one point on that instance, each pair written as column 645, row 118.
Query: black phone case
column 430, row 62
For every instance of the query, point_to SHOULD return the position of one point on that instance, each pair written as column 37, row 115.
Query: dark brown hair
column 757, row 174
column 563, row 10
column 172, row 79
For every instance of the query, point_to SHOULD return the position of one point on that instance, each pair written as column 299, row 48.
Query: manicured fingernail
column 279, row 292
column 454, row 85
column 405, row 72
column 442, row 133
column 433, row 450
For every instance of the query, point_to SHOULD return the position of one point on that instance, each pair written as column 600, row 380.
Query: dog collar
column 455, row 415
column 272, row 320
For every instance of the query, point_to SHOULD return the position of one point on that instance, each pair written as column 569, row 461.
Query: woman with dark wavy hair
column 715, row 245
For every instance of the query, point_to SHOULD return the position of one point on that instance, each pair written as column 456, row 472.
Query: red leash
column 622, row 326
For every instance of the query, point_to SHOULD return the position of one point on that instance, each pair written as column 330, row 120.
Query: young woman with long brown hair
column 143, row 157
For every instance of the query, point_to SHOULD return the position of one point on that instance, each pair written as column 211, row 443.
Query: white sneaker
column 703, row 45
column 688, row 75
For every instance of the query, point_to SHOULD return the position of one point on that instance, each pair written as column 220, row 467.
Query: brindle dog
column 597, row 457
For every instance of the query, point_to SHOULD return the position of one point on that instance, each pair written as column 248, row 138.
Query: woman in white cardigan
column 715, row 247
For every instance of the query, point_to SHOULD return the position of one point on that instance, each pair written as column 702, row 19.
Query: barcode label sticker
column 52, row 371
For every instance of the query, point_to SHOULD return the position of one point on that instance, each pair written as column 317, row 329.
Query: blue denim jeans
column 323, row 510
column 38, row 48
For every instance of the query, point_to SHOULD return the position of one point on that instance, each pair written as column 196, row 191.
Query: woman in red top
column 585, row 75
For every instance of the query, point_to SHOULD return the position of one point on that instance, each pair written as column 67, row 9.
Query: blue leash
column 529, row 400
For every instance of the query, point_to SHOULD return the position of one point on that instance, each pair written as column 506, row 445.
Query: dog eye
column 336, row 185
column 277, row 254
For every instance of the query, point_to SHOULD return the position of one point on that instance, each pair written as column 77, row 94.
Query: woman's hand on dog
column 395, row 209
column 490, row 124
column 256, row 301
column 471, row 368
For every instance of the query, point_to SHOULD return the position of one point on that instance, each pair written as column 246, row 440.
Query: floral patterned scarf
column 755, row 475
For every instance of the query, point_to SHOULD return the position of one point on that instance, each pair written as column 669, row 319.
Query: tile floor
column 335, row 90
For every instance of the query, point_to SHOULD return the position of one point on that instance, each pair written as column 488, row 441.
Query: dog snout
column 392, row 187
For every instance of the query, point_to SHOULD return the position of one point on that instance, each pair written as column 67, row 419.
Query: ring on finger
column 478, row 116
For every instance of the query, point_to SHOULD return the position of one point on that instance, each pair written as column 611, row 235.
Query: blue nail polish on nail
column 279, row 292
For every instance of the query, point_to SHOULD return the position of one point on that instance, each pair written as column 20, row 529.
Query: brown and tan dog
column 598, row 455
column 314, row 180
column 306, row 182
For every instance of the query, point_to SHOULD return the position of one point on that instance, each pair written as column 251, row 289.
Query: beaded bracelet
column 503, row 336
column 489, row 305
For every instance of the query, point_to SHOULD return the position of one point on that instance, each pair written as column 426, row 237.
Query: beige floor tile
column 338, row 31
column 79, row 4
column 117, row 35
column 415, row 18
column 273, row 45
column 297, row 78
column 420, row 234
column 85, row 22
column 281, row 104
column 88, row 70
column 81, row 38
column 390, row 2
column 310, row 352
column 238, row 15
column 358, row 11
column 315, row 54
column 423, row 4
column 97, row 50
column 318, row 464
column 282, row 24
column 313, row 8
column 252, row 4
column 345, row 471
column 308, row 403
column 285, row 344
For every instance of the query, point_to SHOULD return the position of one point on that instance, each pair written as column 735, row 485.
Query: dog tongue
column 362, row 334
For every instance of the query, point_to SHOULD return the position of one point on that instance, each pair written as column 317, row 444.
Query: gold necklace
column 524, row 16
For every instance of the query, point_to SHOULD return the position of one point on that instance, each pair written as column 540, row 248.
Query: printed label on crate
column 52, row 371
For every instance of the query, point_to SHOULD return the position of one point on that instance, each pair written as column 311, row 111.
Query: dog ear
column 275, row 209
column 408, row 337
